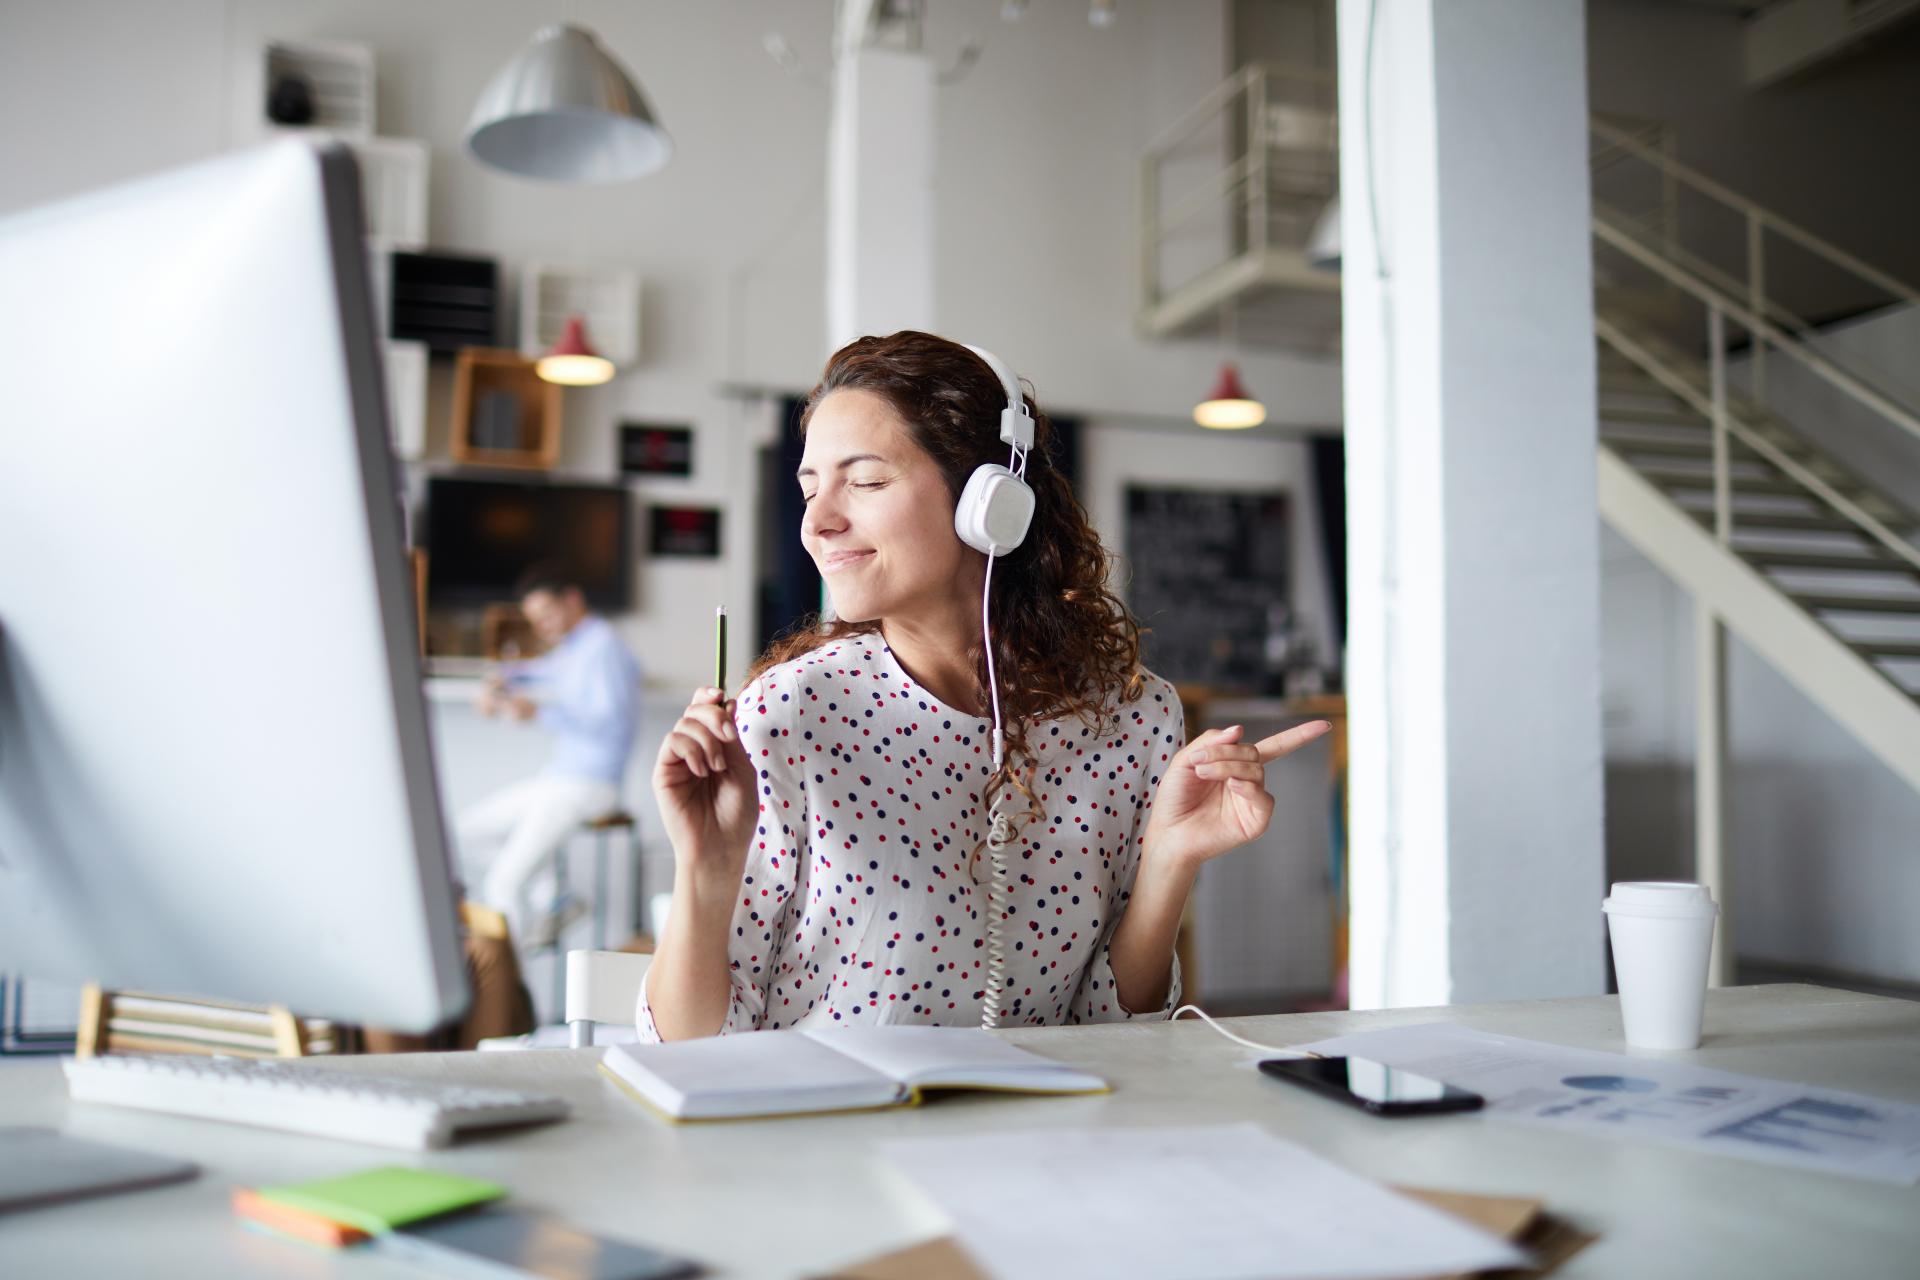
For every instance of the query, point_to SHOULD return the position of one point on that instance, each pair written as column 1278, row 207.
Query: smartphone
column 1374, row 1086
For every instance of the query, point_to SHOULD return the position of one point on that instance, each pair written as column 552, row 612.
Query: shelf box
column 393, row 189
column 504, row 414
column 608, row 300
column 340, row 76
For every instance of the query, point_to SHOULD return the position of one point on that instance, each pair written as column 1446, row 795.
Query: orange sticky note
column 297, row 1223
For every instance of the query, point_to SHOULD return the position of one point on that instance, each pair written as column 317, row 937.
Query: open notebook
column 778, row 1073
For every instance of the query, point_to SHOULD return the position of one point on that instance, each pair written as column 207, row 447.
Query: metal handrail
column 1765, row 217
column 1240, row 186
column 1215, row 100
column 1731, row 286
column 1713, row 407
column 1760, row 328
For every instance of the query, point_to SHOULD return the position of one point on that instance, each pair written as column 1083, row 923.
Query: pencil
column 720, row 650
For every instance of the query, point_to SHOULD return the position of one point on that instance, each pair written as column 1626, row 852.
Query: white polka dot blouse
column 863, row 902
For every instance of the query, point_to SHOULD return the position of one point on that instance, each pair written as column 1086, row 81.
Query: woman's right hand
column 704, row 784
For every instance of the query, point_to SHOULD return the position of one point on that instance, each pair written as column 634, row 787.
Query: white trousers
column 530, row 821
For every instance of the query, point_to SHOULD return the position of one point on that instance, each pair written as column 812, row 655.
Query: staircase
column 1810, row 564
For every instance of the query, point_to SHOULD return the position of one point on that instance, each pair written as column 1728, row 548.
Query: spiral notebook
column 780, row 1073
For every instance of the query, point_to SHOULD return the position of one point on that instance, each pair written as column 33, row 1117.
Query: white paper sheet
column 1661, row 1101
column 1223, row 1201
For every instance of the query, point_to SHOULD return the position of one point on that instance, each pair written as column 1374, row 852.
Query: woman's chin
column 855, row 610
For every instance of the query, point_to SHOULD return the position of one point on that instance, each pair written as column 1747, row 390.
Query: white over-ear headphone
column 997, row 506
column 992, row 516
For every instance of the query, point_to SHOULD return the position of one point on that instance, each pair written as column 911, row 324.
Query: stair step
column 1633, row 384
column 1627, row 445
column 1699, row 446
column 1700, row 431
column 1822, row 560
column 1663, row 416
column 1885, row 648
column 1858, row 604
column 1779, row 520
column 1668, row 478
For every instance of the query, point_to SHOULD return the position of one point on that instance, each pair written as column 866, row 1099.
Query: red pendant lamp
column 573, row 362
column 1231, row 407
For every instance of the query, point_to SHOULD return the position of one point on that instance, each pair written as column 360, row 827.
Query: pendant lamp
column 1230, row 407
column 573, row 362
column 563, row 110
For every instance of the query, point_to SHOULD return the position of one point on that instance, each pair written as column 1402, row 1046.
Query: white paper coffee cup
column 1662, row 934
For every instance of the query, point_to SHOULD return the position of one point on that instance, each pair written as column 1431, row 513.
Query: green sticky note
column 378, row 1200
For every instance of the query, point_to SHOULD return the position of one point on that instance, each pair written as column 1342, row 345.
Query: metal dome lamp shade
column 573, row 362
column 564, row 111
column 1230, row 407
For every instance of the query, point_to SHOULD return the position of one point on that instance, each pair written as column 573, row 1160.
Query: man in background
column 585, row 691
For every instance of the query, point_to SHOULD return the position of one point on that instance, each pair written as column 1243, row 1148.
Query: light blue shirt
column 588, row 686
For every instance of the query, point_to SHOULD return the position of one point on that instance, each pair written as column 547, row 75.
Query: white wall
column 1034, row 224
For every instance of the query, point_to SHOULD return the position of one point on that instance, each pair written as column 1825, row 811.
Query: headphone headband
column 1016, row 423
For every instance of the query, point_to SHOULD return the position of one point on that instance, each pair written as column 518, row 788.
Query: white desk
column 786, row 1196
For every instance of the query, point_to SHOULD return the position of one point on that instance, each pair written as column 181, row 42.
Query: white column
column 1473, row 662
column 879, row 193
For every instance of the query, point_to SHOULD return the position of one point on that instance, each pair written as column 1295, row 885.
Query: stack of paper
column 1222, row 1201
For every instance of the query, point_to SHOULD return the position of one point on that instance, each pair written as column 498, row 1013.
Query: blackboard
column 1210, row 575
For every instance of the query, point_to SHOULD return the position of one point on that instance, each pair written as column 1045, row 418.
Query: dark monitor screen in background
column 483, row 534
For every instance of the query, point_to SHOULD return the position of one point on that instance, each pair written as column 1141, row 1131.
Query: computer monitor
column 215, row 775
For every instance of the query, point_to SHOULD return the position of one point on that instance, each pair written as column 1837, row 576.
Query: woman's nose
column 823, row 514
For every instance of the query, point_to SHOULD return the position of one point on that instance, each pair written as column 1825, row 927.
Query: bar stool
column 603, row 829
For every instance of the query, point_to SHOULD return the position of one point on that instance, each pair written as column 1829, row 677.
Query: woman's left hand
column 1214, row 796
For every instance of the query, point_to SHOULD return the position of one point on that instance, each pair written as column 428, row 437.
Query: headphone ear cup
column 994, row 510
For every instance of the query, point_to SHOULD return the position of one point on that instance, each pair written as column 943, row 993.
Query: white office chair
column 602, row 986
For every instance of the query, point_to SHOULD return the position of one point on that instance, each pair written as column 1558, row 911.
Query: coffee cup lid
column 1660, row 898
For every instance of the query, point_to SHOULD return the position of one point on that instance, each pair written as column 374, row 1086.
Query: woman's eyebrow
column 841, row 465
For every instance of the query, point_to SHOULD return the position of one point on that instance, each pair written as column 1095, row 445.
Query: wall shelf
column 504, row 414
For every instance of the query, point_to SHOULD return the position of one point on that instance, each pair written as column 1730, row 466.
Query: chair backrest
column 602, row 986
column 138, row 1022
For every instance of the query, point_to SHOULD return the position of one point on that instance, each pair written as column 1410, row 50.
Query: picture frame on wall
column 656, row 449
column 692, row 532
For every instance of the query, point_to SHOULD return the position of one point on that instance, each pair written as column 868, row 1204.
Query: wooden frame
column 482, row 373
column 135, row 1022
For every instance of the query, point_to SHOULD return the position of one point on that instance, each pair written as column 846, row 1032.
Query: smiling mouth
column 843, row 560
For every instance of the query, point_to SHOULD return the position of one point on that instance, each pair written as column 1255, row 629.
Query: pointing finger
column 1291, row 740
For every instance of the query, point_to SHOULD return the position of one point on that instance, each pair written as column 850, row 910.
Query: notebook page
column 755, row 1073
column 954, row 1057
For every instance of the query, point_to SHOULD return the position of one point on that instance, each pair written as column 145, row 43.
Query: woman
column 831, row 829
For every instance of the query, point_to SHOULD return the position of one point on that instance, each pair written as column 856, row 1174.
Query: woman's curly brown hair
column 1064, row 645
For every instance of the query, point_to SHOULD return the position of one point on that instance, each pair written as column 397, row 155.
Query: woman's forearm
column 1141, row 952
column 687, row 985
